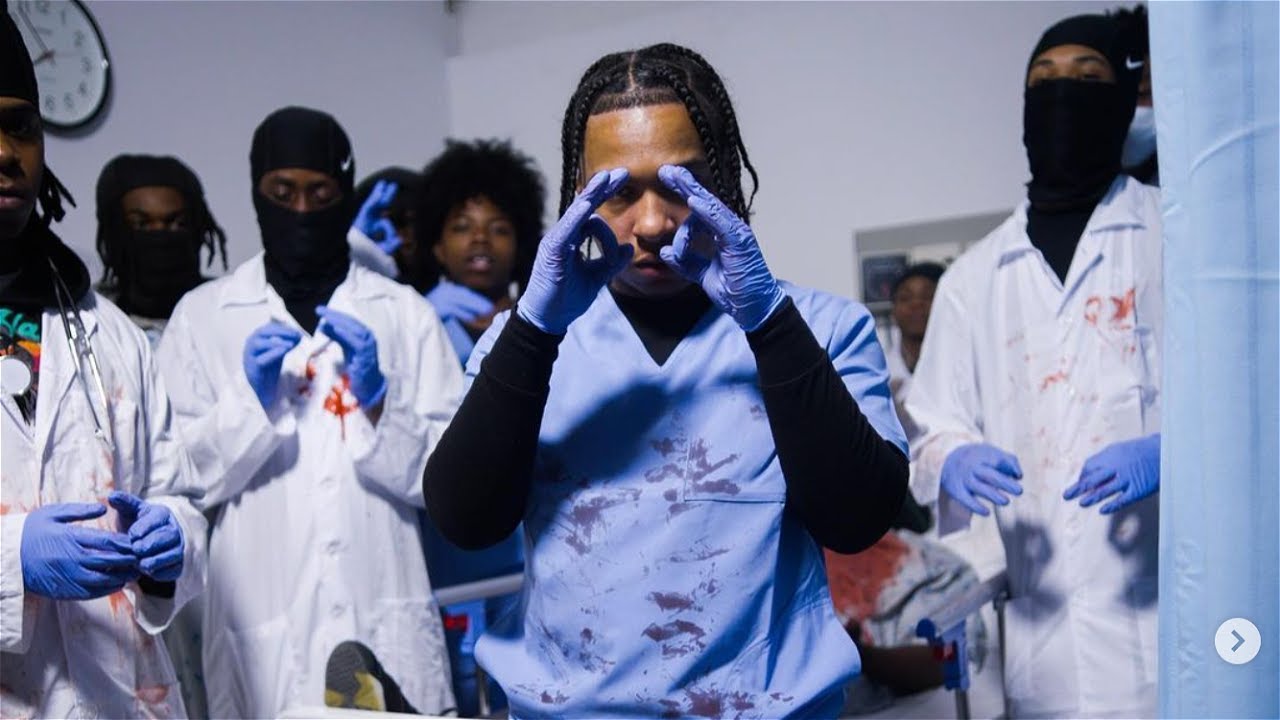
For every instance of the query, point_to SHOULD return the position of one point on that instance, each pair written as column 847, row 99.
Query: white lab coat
column 1052, row 373
column 103, row 657
column 316, row 539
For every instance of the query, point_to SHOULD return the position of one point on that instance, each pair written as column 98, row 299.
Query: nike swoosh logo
column 346, row 164
column 1133, row 64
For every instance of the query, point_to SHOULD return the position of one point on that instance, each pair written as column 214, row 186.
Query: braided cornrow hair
column 650, row 76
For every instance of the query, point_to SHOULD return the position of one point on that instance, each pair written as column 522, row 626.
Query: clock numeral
column 50, row 104
column 79, row 39
column 68, row 101
column 83, row 89
column 85, row 66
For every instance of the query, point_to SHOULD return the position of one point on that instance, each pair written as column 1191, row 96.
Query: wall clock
column 70, row 58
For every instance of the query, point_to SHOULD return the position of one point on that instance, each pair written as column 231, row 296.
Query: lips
column 11, row 198
column 479, row 263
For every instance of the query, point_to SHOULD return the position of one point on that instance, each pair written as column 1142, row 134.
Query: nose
column 8, row 154
column 655, row 221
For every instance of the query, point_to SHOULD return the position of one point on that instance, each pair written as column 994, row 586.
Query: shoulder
column 829, row 315
column 130, row 343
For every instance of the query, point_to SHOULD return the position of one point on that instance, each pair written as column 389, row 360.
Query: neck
column 910, row 349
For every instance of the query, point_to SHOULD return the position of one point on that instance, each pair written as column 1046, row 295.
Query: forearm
column 846, row 482
column 477, row 481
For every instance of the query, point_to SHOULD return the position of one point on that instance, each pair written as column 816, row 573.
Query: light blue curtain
column 1214, row 67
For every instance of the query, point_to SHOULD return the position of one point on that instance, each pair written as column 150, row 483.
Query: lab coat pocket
column 408, row 640
column 251, row 660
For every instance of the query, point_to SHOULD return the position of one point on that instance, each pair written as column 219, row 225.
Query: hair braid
column 575, row 123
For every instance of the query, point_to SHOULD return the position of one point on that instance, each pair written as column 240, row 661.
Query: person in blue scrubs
column 680, row 433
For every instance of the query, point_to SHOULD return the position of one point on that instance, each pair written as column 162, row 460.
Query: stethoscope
column 15, row 376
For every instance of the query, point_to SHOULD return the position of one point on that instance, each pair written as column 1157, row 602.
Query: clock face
column 70, row 58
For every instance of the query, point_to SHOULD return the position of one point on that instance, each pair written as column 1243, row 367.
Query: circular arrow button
column 1238, row 641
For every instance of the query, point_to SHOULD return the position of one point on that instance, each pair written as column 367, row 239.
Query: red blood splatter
column 721, row 486
column 4, row 509
column 587, row 636
column 585, row 516
column 712, row 703
column 691, row 641
column 117, row 602
column 309, row 373
column 549, row 699
column 781, row 698
column 757, row 412
column 1092, row 308
column 671, row 495
column 1122, row 306
column 1051, row 379
column 335, row 403
column 153, row 695
column 658, row 474
column 675, row 509
column 701, row 468
column 700, row 553
column 856, row 581
column 671, row 600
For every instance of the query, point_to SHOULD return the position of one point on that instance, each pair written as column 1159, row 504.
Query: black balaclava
column 1074, row 129
column 152, row 269
column 25, row 276
column 306, row 253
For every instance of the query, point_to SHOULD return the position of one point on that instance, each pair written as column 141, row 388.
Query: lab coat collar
column 247, row 285
column 1120, row 208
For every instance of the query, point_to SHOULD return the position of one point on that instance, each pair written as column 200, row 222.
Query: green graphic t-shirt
column 20, row 339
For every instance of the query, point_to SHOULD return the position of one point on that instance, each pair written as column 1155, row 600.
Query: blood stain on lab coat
column 667, row 446
column 153, row 695
column 671, row 600
column 1092, row 308
column 675, row 509
column 1122, row 307
column 335, row 403
column 4, row 509
column 658, row 474
column 117, row 602
column 671, row 495
column 780, row 697
column 1052, row 379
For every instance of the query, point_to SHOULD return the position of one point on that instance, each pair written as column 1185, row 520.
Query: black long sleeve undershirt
column 846, row 483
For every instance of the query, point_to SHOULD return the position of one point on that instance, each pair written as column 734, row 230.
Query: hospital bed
column 945, row 632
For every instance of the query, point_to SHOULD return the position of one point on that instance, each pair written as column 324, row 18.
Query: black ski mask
column 150, row 270
column 1074, row 130
column 306, row 254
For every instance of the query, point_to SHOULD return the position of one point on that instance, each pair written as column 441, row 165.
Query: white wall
column 194, row 80
column 855, row 114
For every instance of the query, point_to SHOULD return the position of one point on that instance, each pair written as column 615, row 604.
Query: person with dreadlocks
column 310, row 405
column 100, row 545
column 153, row 223
column 680, row 432
column 1037, row 391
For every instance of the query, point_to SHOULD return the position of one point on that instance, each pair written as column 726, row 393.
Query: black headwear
column 931, row 271
column 1074, row 130
column 306, row 254
column 152, row 269
column 18, row 80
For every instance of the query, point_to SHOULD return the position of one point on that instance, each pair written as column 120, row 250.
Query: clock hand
column 46, row 55
column 22, row 10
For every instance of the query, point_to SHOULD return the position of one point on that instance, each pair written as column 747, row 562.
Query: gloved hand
column 264, row 353
column 1130, row 468
column 154, row 535
column 72, row 562
column 982, row 470
column 360, row 349
column 371, row 221
column 454, row 301
column 564, row 284
column 736, row 277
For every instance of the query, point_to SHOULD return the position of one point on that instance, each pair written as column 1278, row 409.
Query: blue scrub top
column 663, row 577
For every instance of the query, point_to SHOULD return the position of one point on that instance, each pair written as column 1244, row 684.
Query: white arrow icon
column 1237, row 641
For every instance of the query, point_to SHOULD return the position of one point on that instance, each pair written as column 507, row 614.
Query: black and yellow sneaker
column 355, row 679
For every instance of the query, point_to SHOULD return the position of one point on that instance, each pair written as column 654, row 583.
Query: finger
column 390, row 238
column 108, row 561
column 1119, row 503
column 1103, row 492
column 602, row 186
column 386, row 193
column 613, row 257
column 127, row 505
column 682, row 182
column 995, row 478
column 990, row 492
column 100, row 583
column 965, row 498
column 680, row 256
column 152, row 518
column 280, row 330
column 271, row 356
column 156, row 566
column 100, row 540
column 75, row 512
column 1090, row 478
column 723, row 223
column 1007, row 463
